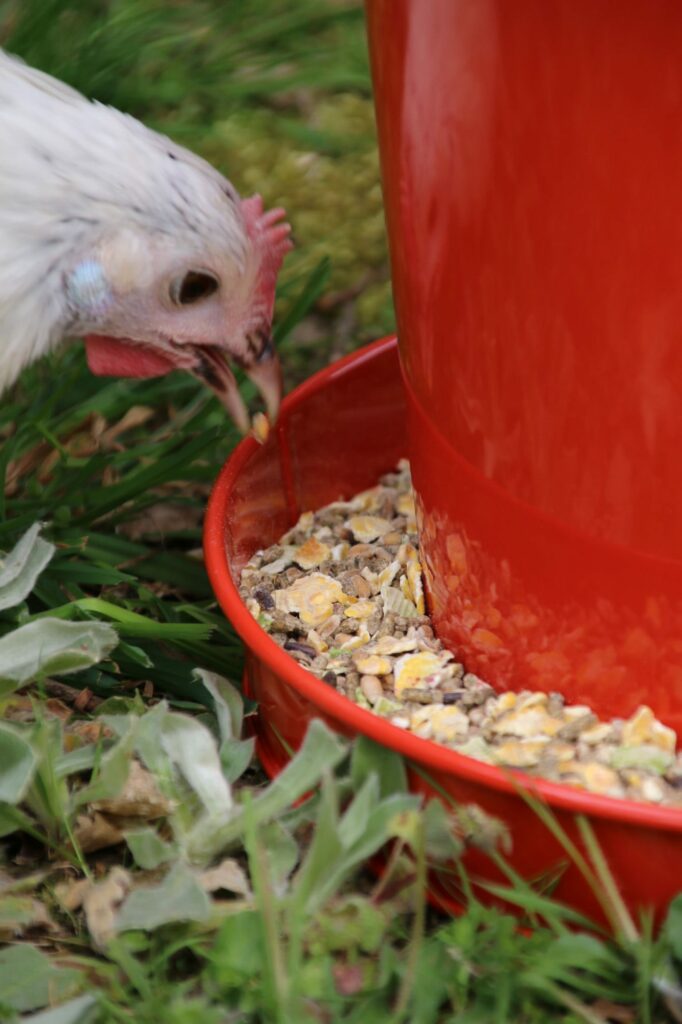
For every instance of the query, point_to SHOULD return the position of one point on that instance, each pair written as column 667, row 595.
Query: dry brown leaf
column 161, row 518
column 12, row 882
column 19, row 708
column 58, row 709
column 98, row 425
column 7, row 880
column 139, row 798
column 83, row 700
column 84, row 439
column 615, row 1012
column 136, row 416
column 94, row 831
column 21, row 467
column 81, row 442
column 88, row 732
column 21, row 914
column 110, row 476
column 101, row 902
column 70, row 895
column 76, row 738
column 228, row 875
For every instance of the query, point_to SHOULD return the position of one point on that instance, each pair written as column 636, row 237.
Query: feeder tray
column 336, row 435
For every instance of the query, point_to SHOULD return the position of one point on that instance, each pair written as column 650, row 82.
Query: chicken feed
column 342, row 593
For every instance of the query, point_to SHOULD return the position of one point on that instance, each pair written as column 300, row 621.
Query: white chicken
column 113, row 233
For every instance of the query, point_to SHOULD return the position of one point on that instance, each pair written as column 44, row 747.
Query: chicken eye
column 194, row 286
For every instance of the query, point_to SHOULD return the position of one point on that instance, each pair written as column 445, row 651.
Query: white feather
column 71, row 173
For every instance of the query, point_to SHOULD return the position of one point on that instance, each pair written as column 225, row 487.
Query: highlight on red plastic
column 336, row 435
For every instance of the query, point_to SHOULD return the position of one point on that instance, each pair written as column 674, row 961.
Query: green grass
column 276, row 93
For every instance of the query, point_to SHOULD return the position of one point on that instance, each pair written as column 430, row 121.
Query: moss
column 333, row 196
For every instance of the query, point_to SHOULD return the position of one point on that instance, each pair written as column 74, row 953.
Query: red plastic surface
column 336, row 434
column 532, row 159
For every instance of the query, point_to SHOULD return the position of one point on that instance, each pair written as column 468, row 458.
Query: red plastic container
column 532, row 159
column 336, row 434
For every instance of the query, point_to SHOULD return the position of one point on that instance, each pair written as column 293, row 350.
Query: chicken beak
column 212, row 369
column 266, row 374
column 230, row 396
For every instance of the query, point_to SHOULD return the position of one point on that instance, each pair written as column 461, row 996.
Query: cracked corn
column 342, row 592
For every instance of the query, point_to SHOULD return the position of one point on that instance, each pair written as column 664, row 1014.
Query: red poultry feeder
column 531, row 161
column 335, row 435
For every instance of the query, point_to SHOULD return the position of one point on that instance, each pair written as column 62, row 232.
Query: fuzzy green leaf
column 76, row 1011
column 193, row 749
column 321, row 751
column 179, row 897
column 29, row 979
column 338, row 848
column 350, row 923
column 20, row 569
column 282, row 854
column 18, row 760
column 356, row 819
column 227, row 701
column 236, row 756
column 237, row 953
column 51, row 647
column 19, row 912
column 673, row 926
column 148, row 849
column 535, row 903
column 324, row 854
column 12, row 820
column 389, row 767
column 442, row 843
column 112, row 772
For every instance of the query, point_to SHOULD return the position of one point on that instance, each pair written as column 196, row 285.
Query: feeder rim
column 425, row 753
